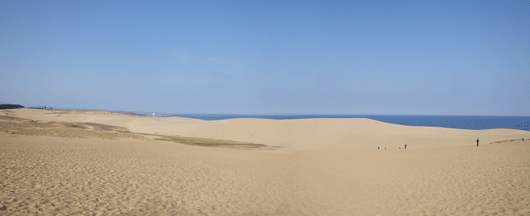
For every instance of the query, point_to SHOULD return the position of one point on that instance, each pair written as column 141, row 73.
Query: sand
column 87, row 162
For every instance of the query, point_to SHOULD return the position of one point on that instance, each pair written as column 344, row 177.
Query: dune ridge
column 296, row 134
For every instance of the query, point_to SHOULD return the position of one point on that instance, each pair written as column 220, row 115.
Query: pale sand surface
column 298, row 134
column 326, row 167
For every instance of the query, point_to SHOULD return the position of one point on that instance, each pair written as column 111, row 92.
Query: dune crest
column 297, row 134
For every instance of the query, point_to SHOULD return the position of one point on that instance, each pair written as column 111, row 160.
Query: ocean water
column 459, row 122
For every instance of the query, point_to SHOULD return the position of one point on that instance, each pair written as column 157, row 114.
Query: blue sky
column 268, row 57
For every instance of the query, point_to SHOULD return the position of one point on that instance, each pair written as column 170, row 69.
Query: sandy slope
column 81, row 176
column 328, row 167
column 298, row 134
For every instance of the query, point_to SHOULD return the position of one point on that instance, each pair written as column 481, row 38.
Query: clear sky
column 269, row 57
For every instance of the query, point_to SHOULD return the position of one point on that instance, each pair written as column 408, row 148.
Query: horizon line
column 282, row 114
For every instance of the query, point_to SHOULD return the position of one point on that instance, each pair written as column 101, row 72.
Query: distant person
column 377, row 147
column 522, row 139
column 385, row 147
column 477, row 141
column 399, row 147
column 405, row 146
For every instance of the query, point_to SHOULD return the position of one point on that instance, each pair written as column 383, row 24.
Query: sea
column 446, row 121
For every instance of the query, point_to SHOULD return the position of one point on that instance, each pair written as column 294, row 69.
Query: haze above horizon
column 269, row 57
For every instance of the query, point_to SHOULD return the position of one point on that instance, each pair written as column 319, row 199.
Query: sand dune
column 326, row 167
column 298, row 134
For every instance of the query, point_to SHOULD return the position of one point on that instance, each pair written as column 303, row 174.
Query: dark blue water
column 459, row 122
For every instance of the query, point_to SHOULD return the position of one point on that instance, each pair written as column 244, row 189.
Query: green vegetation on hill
column 10, row 106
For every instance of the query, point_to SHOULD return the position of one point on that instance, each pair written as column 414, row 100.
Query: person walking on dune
column 477, row 141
